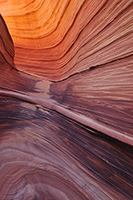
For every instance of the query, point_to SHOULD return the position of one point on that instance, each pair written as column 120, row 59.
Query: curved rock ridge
column 104, row 95
column 55, row 39
column 6, row 46
column 10, row 78
column 100, row 98
column 42, row 158
column 69, row 140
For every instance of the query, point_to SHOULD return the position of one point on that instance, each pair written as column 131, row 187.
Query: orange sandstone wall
column 55, row 39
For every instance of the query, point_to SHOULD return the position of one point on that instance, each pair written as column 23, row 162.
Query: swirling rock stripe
column 6, row 46
column 42, row 157
column 55, row 39
column 10, row 78
column 47, row 151
column 104, row 94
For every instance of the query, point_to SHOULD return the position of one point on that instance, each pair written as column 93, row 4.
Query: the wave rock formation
column 66, row 100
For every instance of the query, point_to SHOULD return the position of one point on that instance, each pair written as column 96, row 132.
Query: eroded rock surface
column 69, row 139
column 56, row 39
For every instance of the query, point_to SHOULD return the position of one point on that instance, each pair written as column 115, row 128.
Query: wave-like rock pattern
column 71, row 139
column 56, row 39
column 104, row 94
column 43, row 158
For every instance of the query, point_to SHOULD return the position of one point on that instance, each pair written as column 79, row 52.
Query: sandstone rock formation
column 66, row 99
column 56, row 39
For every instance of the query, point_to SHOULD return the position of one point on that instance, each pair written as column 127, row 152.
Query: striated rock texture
column 66, row 100
column 57, row 38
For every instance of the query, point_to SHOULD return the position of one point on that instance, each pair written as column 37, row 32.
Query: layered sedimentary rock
column 104, row 94
column 55, row 39
column 69, row 139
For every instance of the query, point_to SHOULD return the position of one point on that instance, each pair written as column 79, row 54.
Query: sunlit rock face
column 56, row 39
column 70, row 139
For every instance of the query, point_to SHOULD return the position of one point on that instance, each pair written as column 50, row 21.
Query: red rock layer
column 103, row 94
column 71, row 139
column 6, row 46
column 56, row 39
column 41, row 157
column 10, row 77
